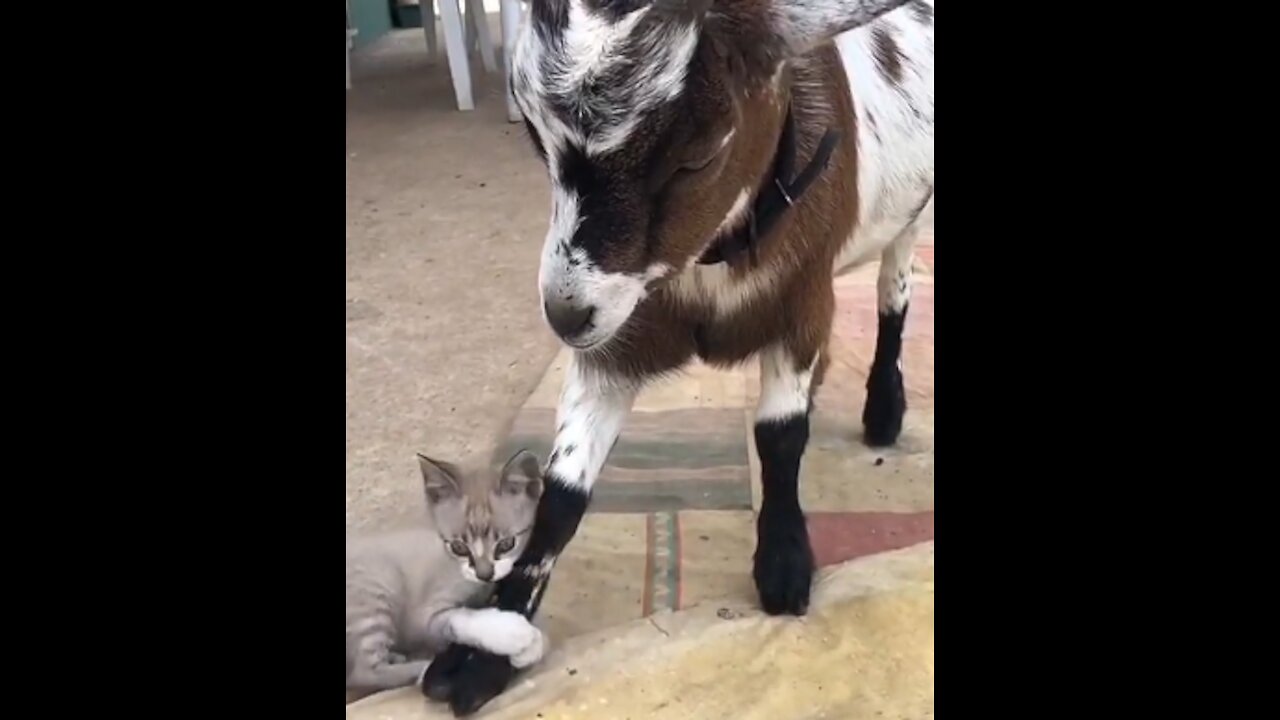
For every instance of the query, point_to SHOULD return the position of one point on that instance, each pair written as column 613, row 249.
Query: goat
column 714, row 164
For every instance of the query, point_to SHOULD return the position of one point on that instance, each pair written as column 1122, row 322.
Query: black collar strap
column 779, row 192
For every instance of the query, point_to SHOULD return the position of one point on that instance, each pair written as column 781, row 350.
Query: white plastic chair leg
column 510, row 11
column 351, row 32
column 480, row 24
column 469, row 26
column 454, row 47
column 428, row 8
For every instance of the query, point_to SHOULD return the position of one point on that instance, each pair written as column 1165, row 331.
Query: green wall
column 372, row 18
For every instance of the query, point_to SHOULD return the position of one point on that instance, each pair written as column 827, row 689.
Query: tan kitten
column 411, row 593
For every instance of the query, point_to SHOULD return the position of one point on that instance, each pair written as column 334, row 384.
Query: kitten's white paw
column 502, row 632
column 532, row 652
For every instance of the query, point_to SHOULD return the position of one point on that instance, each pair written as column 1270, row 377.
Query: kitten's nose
column 484, row 571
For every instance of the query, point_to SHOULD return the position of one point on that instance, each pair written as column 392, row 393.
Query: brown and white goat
column 713, row 164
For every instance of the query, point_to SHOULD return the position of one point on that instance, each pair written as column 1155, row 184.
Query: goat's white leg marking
column 500, row 632
column 893, row 285
column 593, row 407
column 886, row 404
column 784, row 389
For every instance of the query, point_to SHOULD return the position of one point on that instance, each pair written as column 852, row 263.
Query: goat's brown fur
column 667, row 330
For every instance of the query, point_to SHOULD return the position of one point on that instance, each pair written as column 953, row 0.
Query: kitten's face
column 484, row 520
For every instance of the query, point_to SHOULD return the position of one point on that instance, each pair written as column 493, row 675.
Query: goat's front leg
column 593, row 406
column 784, row 560
column 886, row 397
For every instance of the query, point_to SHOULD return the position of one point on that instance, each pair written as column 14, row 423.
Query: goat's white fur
column 593, row 406
column 893, row 284
column 895, row 159
column 590, row 49
column 715, row 287
column 539, row 573
column 736, row 212
column 784, row 387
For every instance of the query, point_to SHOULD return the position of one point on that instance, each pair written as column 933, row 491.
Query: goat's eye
column 695, row 166
column 459, row 548
column 504, row 546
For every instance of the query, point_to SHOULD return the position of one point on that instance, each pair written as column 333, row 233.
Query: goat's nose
column 567, row 319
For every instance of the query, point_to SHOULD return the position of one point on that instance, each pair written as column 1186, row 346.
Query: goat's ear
column 440, row 479
column 802, row 25
column 761, row 35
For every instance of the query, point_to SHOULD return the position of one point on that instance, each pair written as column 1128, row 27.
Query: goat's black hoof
column 885, row 408
column 437, row 682
column 482, row 677
column 783, row 563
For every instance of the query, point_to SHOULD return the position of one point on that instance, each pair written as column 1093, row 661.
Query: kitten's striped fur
column 409, row 595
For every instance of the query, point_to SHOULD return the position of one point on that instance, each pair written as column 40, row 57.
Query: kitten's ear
column 522, row 474
column 440, row 479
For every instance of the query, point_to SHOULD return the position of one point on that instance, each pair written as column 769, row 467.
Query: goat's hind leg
column 886, row 396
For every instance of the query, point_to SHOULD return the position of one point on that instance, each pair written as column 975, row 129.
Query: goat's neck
column 784, row 181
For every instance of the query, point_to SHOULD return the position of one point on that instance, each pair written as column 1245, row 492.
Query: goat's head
column 656, row 120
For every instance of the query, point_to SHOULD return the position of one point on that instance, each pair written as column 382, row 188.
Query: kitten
column 411, row 593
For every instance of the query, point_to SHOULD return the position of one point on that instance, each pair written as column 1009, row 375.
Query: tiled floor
column 671, row 522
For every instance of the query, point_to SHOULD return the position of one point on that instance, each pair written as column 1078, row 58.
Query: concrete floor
column 864, row 652
column 446, row 212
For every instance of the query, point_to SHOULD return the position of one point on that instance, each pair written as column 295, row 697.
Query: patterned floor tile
column 840, row 473
column 599, row 581
column 842, row 536
column 693, row 458
column 857, row 314
column 698, row 386
column 663, row 563
column 717, row 550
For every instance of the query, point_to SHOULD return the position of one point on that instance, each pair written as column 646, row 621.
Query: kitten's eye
column 459, row 548
column 504, row 546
